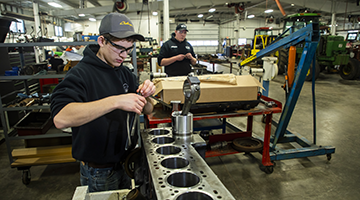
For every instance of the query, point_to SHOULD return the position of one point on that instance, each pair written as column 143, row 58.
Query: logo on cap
column 125, row 23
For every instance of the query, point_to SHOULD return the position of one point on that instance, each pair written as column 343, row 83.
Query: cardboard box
column 246, row 89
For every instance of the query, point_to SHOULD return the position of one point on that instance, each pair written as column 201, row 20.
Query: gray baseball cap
column 118, row 25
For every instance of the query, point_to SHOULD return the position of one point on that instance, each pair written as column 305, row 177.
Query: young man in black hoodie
column 177, row 54
column 96, row 99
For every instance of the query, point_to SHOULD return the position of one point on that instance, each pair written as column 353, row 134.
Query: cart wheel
column 328, row 156
column 269, row 169
column 26, row 177
column 274, row 163
column 247, row 144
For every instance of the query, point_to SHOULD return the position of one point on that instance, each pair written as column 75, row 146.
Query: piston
column 182, row 125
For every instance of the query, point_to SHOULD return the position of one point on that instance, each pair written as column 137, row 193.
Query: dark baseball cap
column 181, row 27
column 118, row 25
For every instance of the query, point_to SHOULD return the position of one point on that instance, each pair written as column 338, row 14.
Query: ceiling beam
column 94, row 3
column 325, row 6
column 69, row 3
column 102, row 9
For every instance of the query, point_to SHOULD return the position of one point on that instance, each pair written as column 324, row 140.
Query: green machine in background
column 331, row 54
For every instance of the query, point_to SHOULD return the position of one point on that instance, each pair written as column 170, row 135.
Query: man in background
column 177, row 54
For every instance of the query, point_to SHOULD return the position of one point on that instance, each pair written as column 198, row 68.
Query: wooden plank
column 42, row 151
column 46, row 160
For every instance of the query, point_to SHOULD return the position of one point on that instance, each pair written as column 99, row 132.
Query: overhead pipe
column 333, row 15
column 280, row 7
column 345, row 15
column 166, row 22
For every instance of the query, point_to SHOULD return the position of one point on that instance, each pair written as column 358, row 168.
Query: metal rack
column 25, row 162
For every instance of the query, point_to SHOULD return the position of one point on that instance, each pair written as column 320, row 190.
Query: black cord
column 142, row 6
column 148, row 19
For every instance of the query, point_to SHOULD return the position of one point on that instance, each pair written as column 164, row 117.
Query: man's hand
column 146, row 89
column 130, row 102
column 189, row 56
column 180, row 57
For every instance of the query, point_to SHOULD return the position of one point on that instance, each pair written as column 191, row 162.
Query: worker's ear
column 101, row 40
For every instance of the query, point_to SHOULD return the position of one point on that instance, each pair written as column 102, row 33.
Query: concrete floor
column 304, row 178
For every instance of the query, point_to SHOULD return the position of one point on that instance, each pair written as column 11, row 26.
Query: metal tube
column 333, row 15
column 313, row 97
column 166, row 21
column 291, row 65
column 280, row 8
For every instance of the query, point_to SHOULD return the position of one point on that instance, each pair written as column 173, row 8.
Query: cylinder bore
column 163, row 140
column 194, row 195
column 168, row 150
column 175, row 163
column 159, row 132
column 183, row 179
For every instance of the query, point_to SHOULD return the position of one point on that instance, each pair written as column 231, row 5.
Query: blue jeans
column 103, row 179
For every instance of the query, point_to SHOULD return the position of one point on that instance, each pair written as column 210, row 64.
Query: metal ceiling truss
column 224, row 12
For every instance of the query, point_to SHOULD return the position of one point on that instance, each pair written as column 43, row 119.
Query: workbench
column 160, row 116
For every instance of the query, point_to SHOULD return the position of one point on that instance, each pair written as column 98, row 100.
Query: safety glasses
column 120, row 49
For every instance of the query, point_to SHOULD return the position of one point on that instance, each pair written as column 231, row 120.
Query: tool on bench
column 268, row 103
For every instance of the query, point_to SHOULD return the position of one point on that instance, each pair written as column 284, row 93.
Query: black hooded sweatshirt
column 172, row 48
column 103, row 139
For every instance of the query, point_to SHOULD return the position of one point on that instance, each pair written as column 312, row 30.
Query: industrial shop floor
column 317, row 178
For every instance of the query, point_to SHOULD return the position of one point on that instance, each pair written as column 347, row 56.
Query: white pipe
column 166, row 21
column 238, row 30
column 36, row 30
column 333, row 22
column 36, row 18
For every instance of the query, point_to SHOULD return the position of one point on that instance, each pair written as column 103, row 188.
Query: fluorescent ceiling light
column 269, row 11
column 92, row 19
column 81, row 15
column 209, row 16
column 53, row 4
column 200, row 15
column 155, row 13
column 212, row 10
column 292, row 4
column 251, row 16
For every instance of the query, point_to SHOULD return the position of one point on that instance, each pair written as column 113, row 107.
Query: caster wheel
column 328, row 156
column 269, row 169
column 26, row 177
column 274, row 163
